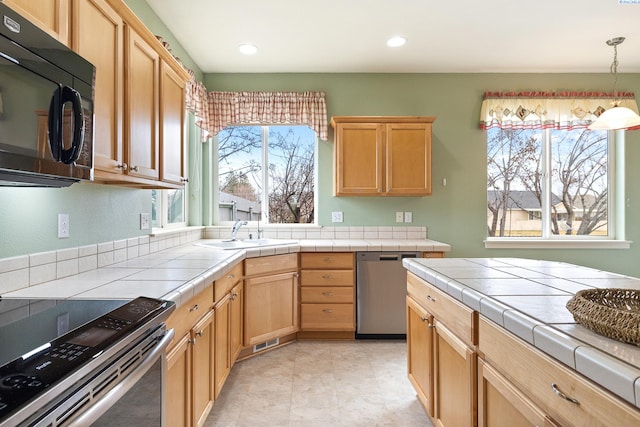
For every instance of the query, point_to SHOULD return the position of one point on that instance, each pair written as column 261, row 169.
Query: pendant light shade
column 616, row 117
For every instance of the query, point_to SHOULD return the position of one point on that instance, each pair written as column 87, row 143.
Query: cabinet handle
column 194, row 308
column 327, row 294
column 430, row 298
column 135, row 168
column 424, row 319
column 328, row 259
column 328, row 310
column 199, row 333
column 327, row 276
column 231, row 276
column 296, row 274
column 122, row 166
column 564, row 396
column 431, row 326
column 192, row 341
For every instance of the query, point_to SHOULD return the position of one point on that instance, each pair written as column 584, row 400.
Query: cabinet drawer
column 327, row 278
column 329, row 260
column 459, row 318
column 270, row 264
column 224, row 284
column 534, row 372
column 327, row 317
column 185, row 316
column 323, row 294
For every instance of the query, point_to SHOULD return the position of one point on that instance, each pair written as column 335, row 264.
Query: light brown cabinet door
column 408, row 159
column 51, row 16
column 420, row 353
column 177, row 393
column 455, row 380
column 98, row 35
column 359, row 161
column 202, row 338
column 222, row 344
column 501, row 404
column 142, row 65
column 172, row 111
column 236, row 320
column 271, row 307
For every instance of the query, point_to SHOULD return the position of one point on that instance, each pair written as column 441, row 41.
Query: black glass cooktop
column 45, row 340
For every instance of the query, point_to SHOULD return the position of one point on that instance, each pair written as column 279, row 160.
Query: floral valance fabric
column 216, row 110
column 542, row 110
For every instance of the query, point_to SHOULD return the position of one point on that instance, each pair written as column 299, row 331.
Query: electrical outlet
column 336, row 216
column 144, row 221
column 63, row 226
column 408, row 216
column 399, row 216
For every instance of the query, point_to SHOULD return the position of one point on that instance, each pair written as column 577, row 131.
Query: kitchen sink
column 244, row 243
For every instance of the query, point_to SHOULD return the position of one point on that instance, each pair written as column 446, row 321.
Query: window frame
column 615, row 220
column 264, row 198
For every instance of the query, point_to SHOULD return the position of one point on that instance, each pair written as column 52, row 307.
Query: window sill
column 555, row 244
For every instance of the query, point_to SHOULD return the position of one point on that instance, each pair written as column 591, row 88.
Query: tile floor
column 321, row 383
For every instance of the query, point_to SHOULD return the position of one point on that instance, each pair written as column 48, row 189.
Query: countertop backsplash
column 28, row 270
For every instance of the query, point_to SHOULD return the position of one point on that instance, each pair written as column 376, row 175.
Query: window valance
column 216, row 110
column 542, row 110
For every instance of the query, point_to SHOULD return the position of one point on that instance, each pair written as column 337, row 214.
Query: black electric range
column 44, row 343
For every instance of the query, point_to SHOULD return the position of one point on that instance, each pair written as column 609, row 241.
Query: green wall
column 455, row 214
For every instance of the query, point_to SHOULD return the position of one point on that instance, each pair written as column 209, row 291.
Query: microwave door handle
column 55, row 124
column 70, row 155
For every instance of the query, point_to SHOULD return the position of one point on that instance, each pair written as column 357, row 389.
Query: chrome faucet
column 236, row 227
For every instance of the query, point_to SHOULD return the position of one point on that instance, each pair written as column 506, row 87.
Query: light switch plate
column 144, row 221
column 399, row 216
column 336, row 216
column 63, row 226
column 408, row 217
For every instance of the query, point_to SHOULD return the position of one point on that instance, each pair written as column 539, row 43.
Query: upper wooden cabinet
column 139, row 97
column 98, row 36
column 51, row 16
column 382, row 156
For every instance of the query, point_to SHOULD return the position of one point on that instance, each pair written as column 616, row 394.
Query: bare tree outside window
column 578, row 182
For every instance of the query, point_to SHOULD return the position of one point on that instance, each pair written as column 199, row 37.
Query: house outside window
column 549, row 183
column 267, row 174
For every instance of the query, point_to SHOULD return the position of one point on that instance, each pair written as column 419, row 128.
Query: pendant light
column 616, row 117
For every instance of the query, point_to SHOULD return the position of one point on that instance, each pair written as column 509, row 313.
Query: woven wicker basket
column 612, row 312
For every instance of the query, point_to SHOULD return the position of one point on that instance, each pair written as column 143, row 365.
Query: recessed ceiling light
column 396, row 41
column 247, row 49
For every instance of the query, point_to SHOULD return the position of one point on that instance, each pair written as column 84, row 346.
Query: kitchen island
column 520, row 332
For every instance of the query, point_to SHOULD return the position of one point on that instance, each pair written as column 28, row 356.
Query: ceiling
column 463, row 36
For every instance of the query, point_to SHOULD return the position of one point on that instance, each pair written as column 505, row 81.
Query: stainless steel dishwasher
column 381, row 288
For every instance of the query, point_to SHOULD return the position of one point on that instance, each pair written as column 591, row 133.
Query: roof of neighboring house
column 525, row 200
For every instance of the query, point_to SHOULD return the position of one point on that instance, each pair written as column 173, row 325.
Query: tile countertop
column 528, row 297
column 177, row 274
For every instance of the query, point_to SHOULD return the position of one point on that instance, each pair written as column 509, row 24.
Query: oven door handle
column 103, row 404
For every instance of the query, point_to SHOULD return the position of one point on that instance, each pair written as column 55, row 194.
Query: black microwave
column 46, row 108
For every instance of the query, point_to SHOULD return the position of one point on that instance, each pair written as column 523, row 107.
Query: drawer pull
column 431, row 326
column 328, row 310
column 424, row 319
column 231, row 276
column 430, row 298
column 192, row 341
column 327, row 276
column 328, row 259
column 194, row 308
column 199, row 333
column 327, row 294
column 564, row 396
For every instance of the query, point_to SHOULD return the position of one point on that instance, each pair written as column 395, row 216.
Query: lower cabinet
column 270, row 298
column 189, row 391
column 441, row 354
column 222, row 343
column 501, row 404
